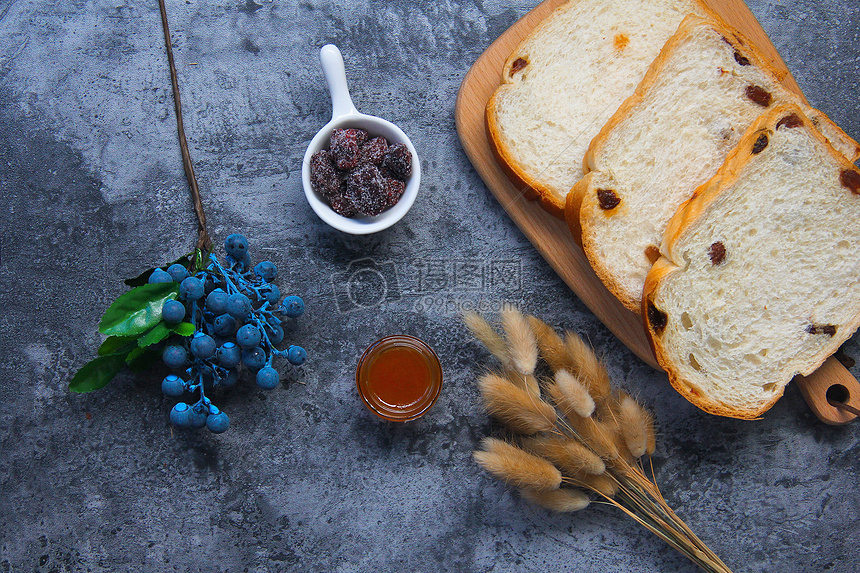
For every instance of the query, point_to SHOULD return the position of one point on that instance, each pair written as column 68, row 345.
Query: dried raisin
column 398, row 161
column 652, row 253
column 717, row 253
column 791, row 120
column 850, row 179
column 759, row 96
column 657, row 318
column 760, row 143
column 828, row 329
column 345, row 147
column 394, row 189
column 518, row 64
column 373, row 151
column 607, row 199
column 365, row 185
column 343, row 205
column 360, row 175
column 324, row 178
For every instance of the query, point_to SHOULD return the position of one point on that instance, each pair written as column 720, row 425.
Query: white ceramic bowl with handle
column 344, row 115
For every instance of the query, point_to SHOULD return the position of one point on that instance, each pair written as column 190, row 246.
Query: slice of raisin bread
column 697, row 99
column 566, row 79
column 759, row 270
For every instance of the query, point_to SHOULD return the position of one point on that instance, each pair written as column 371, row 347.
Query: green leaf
column 156, row 334
column 183, row 328
column 138, row 310
column 143, row 359
column 162, row 330
column 134, row 354
column 95, row 374
column 141, row 279
column 117, row 345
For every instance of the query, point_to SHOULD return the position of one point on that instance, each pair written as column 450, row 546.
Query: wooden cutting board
column 551, row 237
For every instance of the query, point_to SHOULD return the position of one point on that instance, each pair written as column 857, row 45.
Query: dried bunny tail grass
column 634, row 422
column 608, row 410
column 517, row 467
column 602, row 484
column 574, row 394
column 566, row 453
column 588, row 366
column 561, row 500
column 526, row 382
column 517, row 408
column 487, row 335
column 532, row 384
column 550, row 345
column 522, row 345
column 591, row 444
column 613, row 427
column 598, row 437
column 558, row 399
column 650, row 434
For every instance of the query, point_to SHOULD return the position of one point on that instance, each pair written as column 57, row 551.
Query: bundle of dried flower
column 578, row 439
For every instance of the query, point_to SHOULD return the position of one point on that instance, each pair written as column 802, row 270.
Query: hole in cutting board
column 838, row 393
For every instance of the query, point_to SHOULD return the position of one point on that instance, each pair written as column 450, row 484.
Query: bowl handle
column 335, row 77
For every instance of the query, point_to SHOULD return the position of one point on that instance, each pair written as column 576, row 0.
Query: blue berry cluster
column 236, row 312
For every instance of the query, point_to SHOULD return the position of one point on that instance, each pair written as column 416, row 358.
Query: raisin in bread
column 566, row 79
column 696, row 100
column 759, row 269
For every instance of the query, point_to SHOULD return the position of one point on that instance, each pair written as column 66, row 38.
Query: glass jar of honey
column 399, row 377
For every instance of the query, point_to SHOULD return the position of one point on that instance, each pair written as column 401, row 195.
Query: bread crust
column 588, row 202
column 572, row 209
column 662, row 268
column 683, row 220
column 531, row 187
column 690, row 22
column 588, row 209
column 573, row 205
column 705, row 195
column 586, row 230
column 818, row 118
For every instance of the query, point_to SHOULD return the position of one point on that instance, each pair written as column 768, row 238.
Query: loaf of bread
column 698, row 97
column 566, row 79
column 758, row 270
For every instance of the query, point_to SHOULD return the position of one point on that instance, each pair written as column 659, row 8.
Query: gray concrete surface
column 306, row 479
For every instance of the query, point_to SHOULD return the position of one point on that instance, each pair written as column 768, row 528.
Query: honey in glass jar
column 399, row 378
